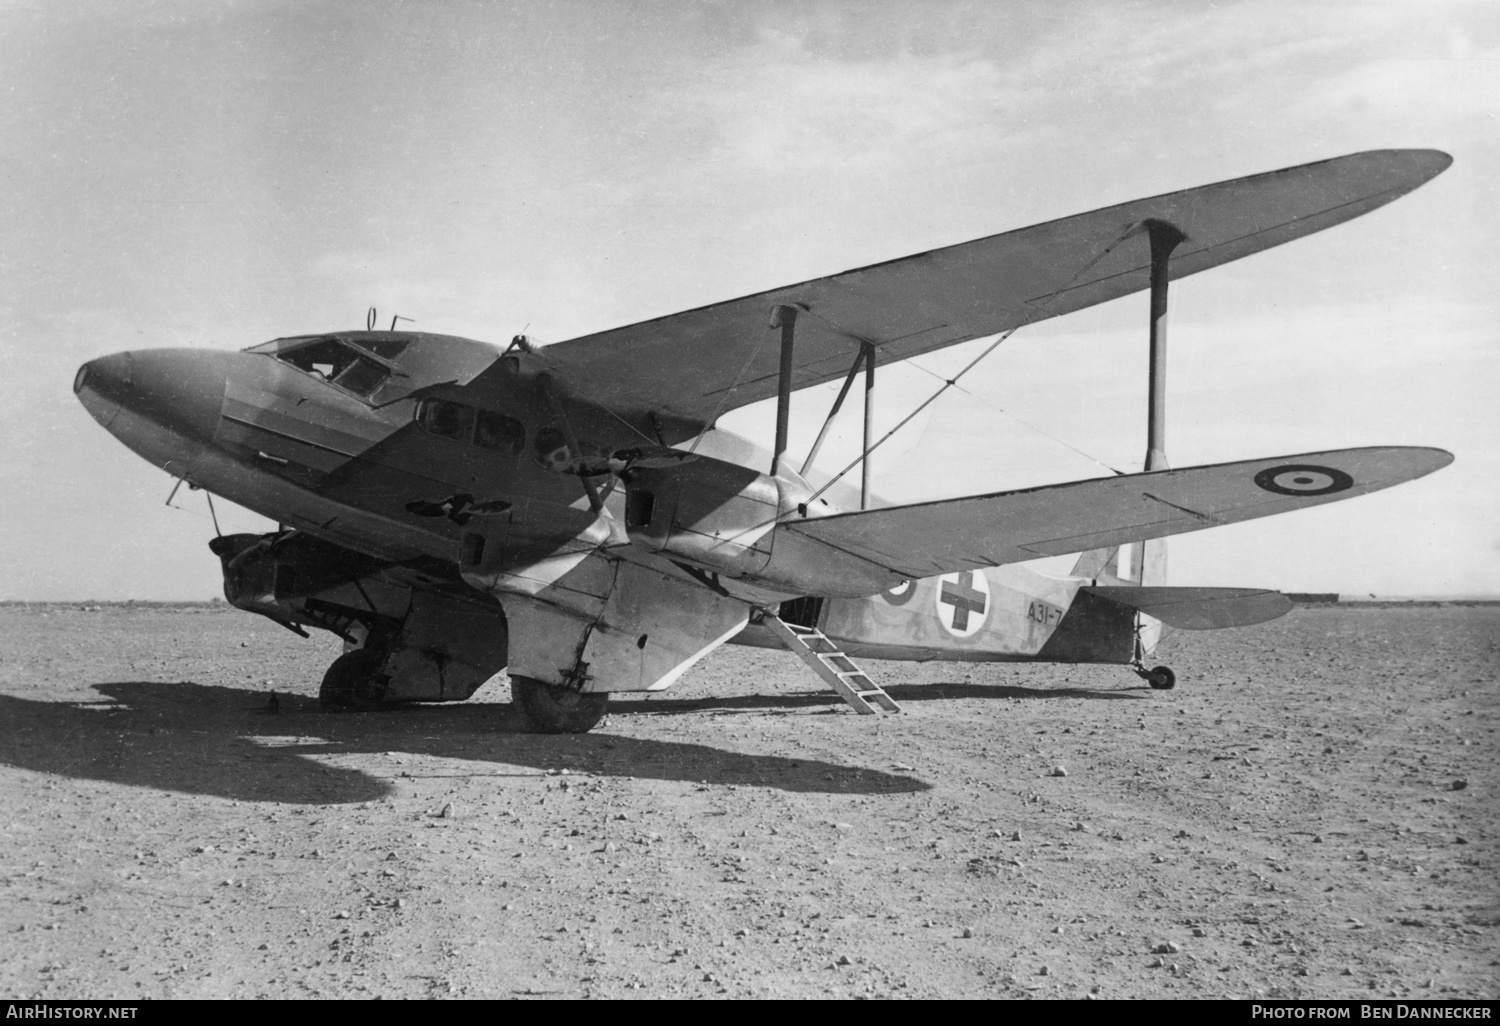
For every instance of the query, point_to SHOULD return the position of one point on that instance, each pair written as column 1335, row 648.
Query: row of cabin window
column 484, row 428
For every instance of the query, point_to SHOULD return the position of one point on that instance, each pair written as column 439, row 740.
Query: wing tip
column 1440, row 457
column 1426, row 163
column 1414, row 166
column 1419, row 460
column 1408, row 462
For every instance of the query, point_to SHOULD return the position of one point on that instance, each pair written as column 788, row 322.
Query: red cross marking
column 964, row 598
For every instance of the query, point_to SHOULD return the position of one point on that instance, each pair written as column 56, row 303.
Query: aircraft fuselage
column 369, row 441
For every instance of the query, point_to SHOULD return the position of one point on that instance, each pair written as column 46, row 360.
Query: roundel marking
column 963, row 602
column 901, row 594
column 1303, row 479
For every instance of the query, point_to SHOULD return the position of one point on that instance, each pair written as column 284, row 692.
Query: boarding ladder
column 837, row 670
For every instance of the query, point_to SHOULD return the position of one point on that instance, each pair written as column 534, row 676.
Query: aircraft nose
column 100, row 384
column 180, row 389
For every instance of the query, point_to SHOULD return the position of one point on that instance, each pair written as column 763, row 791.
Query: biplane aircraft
column 572, row 514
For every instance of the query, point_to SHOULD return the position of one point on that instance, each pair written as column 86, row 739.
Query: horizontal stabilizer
column 1201, row 609
column 931, row 538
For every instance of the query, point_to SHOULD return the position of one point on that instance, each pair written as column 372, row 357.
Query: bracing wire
column 733, row 387
column 948, row 383
column 593, row 400
column 1023, row 422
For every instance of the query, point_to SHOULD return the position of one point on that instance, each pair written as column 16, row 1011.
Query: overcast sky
column 218, row 174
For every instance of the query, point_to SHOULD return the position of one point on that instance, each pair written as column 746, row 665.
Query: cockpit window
column 276, row 345
column 341, row 364
column 362, row 376
column 385, row 348
column 327, row 358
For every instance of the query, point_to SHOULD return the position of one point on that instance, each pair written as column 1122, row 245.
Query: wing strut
column 1150, row 563
column 1037, row 309
column 865, row 359
column 834, row 412
column 1164, row 238
column 785, row 318
column 1098, row 563
column 867, row 350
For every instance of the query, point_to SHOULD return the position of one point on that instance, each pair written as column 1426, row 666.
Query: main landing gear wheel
column 354, row 682
column 553, row 710
column 1161, row 678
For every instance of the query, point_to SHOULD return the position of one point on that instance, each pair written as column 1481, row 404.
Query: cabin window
column 484, row 428
column 446, row 420
column 333, row 361
column 498, row 432
column 552, row 449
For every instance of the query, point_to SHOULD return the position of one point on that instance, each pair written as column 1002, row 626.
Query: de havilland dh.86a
column 572, row 515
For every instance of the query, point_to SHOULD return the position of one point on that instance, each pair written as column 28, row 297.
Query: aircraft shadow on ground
column 964, row 689
column 900, row 692
column 207, row 739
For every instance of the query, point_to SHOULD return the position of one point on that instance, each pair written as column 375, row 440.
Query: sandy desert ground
column 1310, row 814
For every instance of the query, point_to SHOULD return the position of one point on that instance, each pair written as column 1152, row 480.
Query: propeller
column 458, row 508
column 650, row 457
column 264, row 544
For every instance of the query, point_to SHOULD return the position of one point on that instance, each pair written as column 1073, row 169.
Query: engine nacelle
column 722, row 517
column 712, row 514
column 271, row 574
column 437, row 645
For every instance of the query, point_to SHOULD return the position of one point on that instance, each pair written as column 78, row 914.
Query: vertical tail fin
column 1150, row 566
column 1147, row 564
column 1150, row 569
column 1099, row 564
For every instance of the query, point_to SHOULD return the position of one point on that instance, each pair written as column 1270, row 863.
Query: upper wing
column 1009, row 527
column 697, row 363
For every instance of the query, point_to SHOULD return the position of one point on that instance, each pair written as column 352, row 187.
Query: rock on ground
column 1284, row 823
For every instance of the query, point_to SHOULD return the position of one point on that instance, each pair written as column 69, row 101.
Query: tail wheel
column 554, row 710
column 1161, row 678
column 354, row 682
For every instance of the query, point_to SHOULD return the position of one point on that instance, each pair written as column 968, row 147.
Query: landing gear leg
column 554, row 710
column 1161, row 678
column 354, row 682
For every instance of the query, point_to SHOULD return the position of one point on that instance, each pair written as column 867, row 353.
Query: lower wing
column 931, row 538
